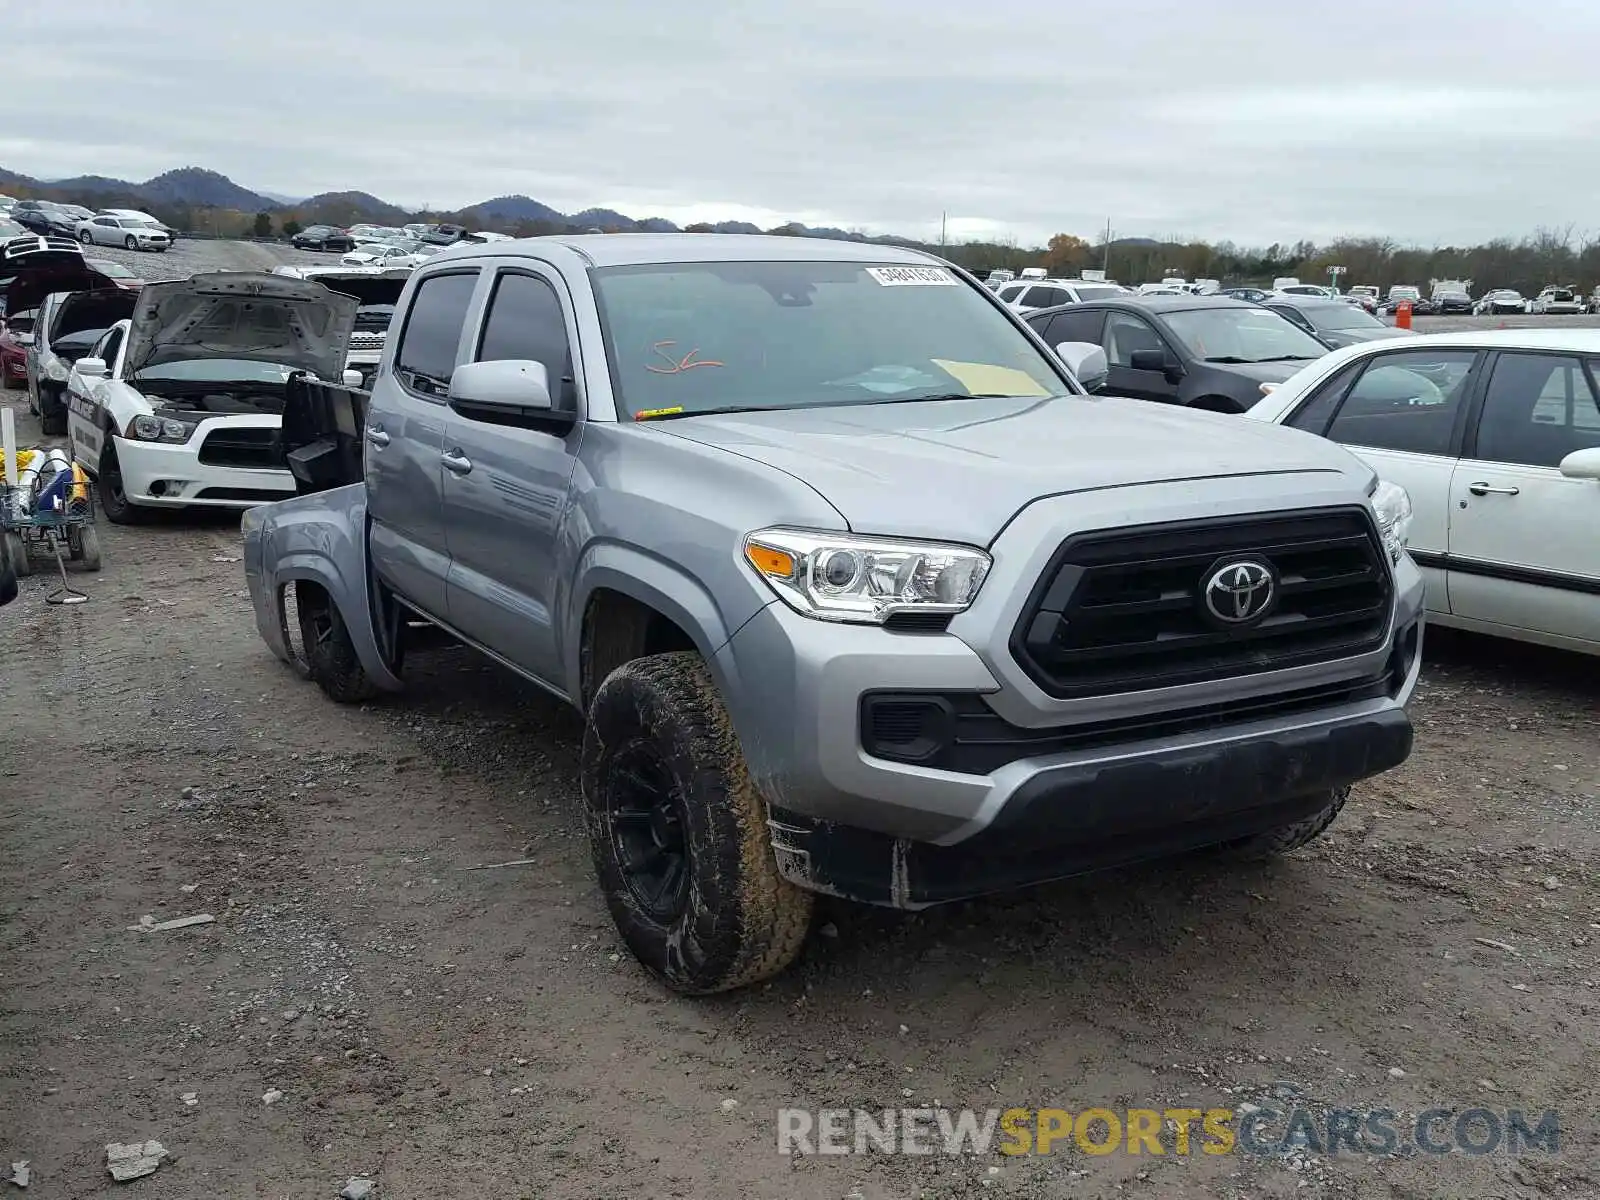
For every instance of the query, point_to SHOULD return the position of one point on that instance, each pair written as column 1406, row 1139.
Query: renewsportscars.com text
column 1166, row 1131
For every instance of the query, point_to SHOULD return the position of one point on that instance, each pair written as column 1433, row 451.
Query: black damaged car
column 1205, row 352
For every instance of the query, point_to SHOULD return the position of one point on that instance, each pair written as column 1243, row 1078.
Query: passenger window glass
column 427, row 355
column 1078, row 325
column 1041, row 297
column 1314, row 413
column 1125, row 334
column 109, row 347
column 1010, row 292
column 1538, row 409
column 526, row 322
column 1406, row 401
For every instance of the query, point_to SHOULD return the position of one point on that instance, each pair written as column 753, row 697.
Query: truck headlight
column 863, row 580
column 1393, row 505
column 147, row 427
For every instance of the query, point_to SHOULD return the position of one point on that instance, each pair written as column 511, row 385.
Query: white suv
column 1025, row 295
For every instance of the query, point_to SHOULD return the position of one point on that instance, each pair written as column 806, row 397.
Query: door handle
column 457, row 462
column 1483, row 489
column 377, row 437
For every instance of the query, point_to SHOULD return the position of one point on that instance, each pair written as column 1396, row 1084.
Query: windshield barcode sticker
column 912, row 276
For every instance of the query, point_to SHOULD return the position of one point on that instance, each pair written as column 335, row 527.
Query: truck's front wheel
column 679, row 833
column 1292, row 836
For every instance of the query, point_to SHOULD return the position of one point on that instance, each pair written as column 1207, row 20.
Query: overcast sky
column 1254, row 120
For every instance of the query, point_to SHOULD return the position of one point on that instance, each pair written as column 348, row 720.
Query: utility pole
column 944, row 218
column 1105, row 262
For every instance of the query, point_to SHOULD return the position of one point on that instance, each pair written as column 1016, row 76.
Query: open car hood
column 242, row 315
column 28, row 278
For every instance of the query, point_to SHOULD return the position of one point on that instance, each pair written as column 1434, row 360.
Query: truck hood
column 242, row 315
column 958, row 470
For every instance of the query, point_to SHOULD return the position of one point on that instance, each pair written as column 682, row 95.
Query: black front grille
column 1124, row 611
column 960, row 732
column 263, row 495
column 252, row 448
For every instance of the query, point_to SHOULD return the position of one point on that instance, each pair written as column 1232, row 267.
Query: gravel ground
column 454, row 1032
column 189, row 255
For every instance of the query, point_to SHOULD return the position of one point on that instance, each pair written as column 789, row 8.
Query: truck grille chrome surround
column 1196, row 601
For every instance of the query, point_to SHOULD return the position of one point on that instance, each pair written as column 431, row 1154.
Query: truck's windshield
column 692, row 337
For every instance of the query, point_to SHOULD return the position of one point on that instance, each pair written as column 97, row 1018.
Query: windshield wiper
column 672, row 414
column 1288, row 358
column 1229, row 358
column 935, row 396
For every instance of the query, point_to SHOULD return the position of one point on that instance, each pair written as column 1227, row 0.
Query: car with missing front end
column 377, row 291
column 181, row 404
column 857, row 589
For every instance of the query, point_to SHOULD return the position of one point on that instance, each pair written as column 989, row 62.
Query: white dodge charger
column 182, row 404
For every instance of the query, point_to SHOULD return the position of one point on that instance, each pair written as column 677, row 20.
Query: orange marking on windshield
column 676, row 366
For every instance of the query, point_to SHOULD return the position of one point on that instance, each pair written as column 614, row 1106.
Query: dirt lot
column 455, row 1032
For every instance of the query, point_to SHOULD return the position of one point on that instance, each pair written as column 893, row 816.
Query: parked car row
column 417, row 239
column 125, row 227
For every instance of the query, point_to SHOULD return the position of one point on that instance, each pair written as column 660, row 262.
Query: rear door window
column 526, row 322
column 1074, row 325
column 1537, row 409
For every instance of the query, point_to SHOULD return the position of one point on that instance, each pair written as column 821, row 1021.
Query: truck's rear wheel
column 1292, row 836
column 679, row 833
column 331, row 656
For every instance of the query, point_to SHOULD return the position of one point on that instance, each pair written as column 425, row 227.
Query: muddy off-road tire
column 1289, row 837
column 331, row 656
column 679, row 833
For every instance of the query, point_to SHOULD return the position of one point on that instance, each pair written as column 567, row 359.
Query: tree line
column 1547, row 256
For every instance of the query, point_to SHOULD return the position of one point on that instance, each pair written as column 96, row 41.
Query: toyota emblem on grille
column 1240, row 591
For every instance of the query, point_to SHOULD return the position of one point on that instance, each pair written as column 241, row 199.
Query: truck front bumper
column 1138, row 786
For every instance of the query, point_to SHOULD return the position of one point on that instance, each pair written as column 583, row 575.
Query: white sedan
column 1496, row 437
column 131, row 233
column 383, row 254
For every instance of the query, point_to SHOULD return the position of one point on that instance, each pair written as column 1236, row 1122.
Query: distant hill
column 515, row 208
column 197, row 186
column 602, row 218
column 361, row 206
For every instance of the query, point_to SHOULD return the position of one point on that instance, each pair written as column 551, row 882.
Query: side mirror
column 91, row 368
column 511, row 391
column 1582, row 464
column 1148, row 360
column 351, row 377
column 1086, row 361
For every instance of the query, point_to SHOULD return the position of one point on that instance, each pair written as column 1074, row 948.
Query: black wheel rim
column 646, row 814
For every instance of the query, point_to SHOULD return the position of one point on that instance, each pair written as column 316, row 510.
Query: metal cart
column 70, row 530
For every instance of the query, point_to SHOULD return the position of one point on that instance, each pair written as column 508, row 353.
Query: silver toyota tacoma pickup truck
column 858, row 588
